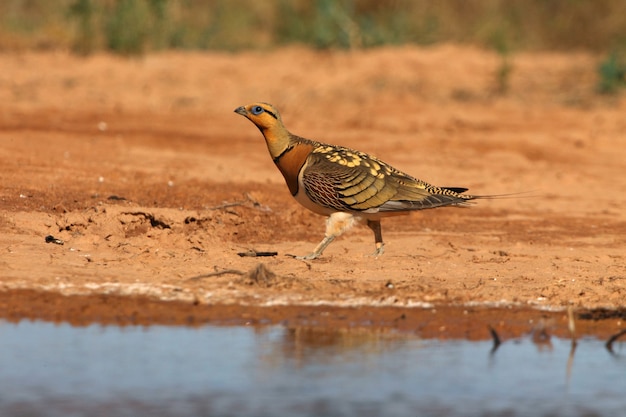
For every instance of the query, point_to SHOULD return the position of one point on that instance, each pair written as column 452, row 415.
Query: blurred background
column 134, row 26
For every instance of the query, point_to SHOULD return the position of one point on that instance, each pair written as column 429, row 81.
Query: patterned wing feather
column 346, row 180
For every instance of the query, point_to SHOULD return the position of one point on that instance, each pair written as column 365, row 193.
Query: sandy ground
column 143, row 171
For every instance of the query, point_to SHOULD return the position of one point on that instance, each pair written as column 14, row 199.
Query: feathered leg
column 336, row 225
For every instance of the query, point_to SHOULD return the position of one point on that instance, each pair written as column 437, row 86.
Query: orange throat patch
column 291, row 162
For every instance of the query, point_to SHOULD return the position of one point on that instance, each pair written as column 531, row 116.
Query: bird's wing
column 343, row 179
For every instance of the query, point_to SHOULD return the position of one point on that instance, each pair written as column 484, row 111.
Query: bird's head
column 263, row 115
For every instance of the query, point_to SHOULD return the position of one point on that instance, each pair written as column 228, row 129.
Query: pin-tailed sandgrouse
column 344, row 184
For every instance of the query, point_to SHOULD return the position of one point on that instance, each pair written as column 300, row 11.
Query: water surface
column 60, row 370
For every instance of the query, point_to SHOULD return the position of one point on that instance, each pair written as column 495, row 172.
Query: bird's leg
column 336, row 225
column 378, row 236
column 318, row 249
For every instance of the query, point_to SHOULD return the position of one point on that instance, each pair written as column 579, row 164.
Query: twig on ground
column 217, row 274
column 254, row 253
column 227, row 205
column 260, row 274
column 248, row 199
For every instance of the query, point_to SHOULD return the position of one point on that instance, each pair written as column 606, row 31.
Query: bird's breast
column 291, row 163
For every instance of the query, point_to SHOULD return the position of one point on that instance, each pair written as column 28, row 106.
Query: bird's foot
column 380, row 249
column 308, row 257
column 317, row 252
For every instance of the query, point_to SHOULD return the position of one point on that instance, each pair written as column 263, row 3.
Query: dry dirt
column 141, row 168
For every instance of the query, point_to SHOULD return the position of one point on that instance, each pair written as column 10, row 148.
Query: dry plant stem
column 217, row 274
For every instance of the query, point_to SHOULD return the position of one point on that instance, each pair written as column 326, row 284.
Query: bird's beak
column 241, row 110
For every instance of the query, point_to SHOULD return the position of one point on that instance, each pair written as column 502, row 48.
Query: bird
column 344, row 184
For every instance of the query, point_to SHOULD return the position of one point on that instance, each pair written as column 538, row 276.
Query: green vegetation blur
column 132, row 27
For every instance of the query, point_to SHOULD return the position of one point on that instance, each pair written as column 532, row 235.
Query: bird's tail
column 468, row 197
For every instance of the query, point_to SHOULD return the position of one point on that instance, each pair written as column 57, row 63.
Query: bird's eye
column 256, row 110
